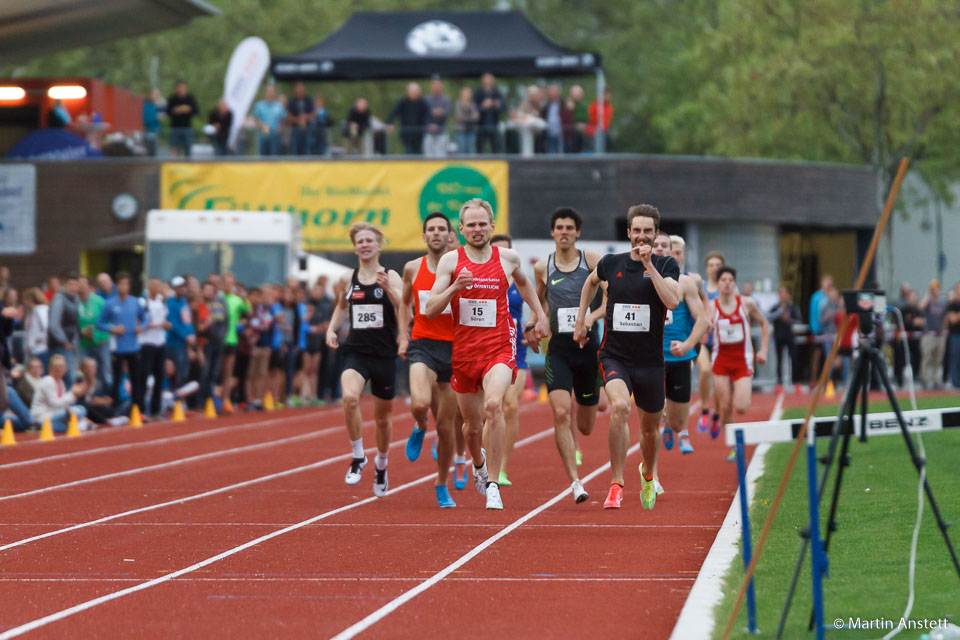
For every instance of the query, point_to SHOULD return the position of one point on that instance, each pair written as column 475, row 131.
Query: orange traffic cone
column 135, row 419
column 46, row 431
column 543, row 397
column 178, row 412
column 7, row 439
column 73, row 426
column 830, row 392
column 268, row 402
column 210, row 411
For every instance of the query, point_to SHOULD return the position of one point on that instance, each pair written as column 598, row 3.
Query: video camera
column 869, row 305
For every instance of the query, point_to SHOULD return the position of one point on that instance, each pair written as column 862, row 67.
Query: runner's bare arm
column 753, row 311
column 586, row 296
column 443, row 289
column 690, row 295
column 339, row 310
column 404, row 313
column 540, row 277
column 528, row 292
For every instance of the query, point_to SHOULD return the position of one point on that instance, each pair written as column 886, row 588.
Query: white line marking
column 355, row 579
column 131, row 445
column 379, row 525
column 696, row 618
column 89, row 604
column 399, row 601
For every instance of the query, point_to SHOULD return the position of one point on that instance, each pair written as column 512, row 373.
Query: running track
column 243, row 527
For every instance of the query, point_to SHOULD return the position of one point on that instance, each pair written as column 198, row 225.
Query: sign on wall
column 330, row 196
column 18, row 208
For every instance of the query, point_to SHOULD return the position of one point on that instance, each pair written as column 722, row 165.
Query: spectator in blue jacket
column 817, row 302
column 123, row 317
column 181, row 333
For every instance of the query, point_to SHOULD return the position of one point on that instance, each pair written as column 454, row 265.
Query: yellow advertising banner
column 330, row 196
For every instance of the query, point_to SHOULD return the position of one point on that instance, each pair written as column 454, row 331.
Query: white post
column 599, row 134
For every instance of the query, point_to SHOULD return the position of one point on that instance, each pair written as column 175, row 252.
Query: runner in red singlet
column 474, row 282
column 732, row 349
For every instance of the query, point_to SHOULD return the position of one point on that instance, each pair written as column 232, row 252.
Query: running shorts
column 646, row 383
column 468, row 376
column 678, row 381
column 436, row 354
column 568, row 367
column 380, row 372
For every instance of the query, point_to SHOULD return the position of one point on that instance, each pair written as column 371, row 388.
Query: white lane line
column 89, row 604
column 355, row 579
column 378, row 525
column 142, row 443
column 696, row 618
column 181, row 461
column 399, row 601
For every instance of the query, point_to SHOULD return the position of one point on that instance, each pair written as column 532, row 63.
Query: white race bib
column 631, row 317
column 669, row 318
column 729, row 333
column 567, row 319
column 478, row 312
column 424, row 296
column 367, row 316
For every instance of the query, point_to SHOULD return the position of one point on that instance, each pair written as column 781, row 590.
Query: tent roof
column 31, row 29
column 417, row 44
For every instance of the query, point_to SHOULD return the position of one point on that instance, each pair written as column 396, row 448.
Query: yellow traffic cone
column 210, row 411
column 135, row 419
column 46, row 431
column 227, row 406
column 830, row 392
column 178, row 412
column 268, row 402
column 73, row 426
column 542, row 396
column 7, row 439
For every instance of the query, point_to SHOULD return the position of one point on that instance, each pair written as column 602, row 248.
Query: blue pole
column 745, row 520
column 818, row 557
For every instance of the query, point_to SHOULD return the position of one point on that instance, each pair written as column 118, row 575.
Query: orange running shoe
column 615, row 497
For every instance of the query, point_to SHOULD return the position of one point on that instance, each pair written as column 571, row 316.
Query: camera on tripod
column 870, row 306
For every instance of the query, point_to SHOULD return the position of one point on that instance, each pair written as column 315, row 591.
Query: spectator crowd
column 478, row 118
column 93, row 348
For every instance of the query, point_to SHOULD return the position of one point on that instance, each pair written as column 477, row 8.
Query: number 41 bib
column 631, row 317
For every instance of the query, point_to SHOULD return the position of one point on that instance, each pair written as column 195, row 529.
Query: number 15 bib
column 478, row 312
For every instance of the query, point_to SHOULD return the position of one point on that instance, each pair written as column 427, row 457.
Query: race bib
column 478, row 313
column 367, row 316
column 631, row 317
column 669, row 318
column 730, row 333
column 424, row 296
column 567, row 319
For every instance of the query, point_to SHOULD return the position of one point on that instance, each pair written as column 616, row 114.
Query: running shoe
column 732, row 456
column 480, row 477
column 668, row 438
column 460, row 474
column 355, row 470
column 493, row 497
column 704, row 423
column 434, row 450
column 659, row 487
column 614, row 497
column 503, row 480
column 444, row 501
column 579, row 457
column 579, row 493
column 415, row 443
column 685, row 446
column 715, row 428
column 648, row 495
column 380, row 483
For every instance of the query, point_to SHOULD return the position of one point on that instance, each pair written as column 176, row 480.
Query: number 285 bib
column 367, row 316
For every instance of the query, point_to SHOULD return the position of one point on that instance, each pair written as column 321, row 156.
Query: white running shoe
column 356, row 470
column 579, row 493
column 380, row 483
column 480, row 476
column 659, row 487
column 493, row 497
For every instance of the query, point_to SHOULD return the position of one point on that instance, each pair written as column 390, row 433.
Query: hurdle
column 739, row 435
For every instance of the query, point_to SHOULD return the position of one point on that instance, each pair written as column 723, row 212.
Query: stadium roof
column 419, row 44
column 32, row 29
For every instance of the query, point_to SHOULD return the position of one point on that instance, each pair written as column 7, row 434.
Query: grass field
column 869, row 553
column 930, row 402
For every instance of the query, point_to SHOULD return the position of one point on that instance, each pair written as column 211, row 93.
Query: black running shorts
column 381, row 372
column 646, row 383
column 678, row 381
column 567, row 367
column 436, row 354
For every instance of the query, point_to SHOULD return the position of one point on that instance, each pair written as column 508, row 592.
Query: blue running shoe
column 415, row 443
column 668, row 439
column 443, row 498
column 434, row 450
column 685, row 446
column 460, row 475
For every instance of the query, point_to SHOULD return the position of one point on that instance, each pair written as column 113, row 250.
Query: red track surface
column 569, row 571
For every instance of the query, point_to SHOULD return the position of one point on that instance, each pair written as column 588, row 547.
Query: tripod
column 868, row 363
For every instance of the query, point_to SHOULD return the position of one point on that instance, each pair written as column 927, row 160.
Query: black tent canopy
column 417, row 44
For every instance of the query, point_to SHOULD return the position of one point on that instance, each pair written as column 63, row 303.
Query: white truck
column 258, row 247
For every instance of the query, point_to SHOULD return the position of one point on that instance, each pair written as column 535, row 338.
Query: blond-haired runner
column 369, row 295
column 474, row 280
